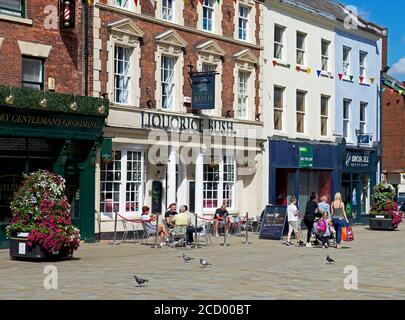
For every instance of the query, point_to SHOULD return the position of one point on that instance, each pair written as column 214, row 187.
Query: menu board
column 273, row 222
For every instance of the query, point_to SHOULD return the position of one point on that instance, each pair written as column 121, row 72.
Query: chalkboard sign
column 273, row 222
column 156, row 197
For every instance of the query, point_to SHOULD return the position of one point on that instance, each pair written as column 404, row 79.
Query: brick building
column 393, row 138
column 45, row 120
column 143, row 53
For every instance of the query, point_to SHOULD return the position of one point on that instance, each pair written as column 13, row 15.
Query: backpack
column 321, row 226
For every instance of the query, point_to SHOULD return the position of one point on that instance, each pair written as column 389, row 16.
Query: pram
column 330, row 234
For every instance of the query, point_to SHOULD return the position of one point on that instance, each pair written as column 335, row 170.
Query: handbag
column 347, row 234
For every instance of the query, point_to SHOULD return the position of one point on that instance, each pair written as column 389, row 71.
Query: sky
column 389, row 14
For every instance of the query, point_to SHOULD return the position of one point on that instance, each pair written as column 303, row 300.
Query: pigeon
column 187, row 258
column 205, row 263
column 140, row 281
column 329, row 259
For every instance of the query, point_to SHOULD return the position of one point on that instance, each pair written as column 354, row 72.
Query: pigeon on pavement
column 140, row 281
column 329, row 259
column 205, row 263
column 187, row 258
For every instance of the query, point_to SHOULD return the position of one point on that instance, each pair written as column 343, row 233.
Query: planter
column 381, row 222
column 19, row 249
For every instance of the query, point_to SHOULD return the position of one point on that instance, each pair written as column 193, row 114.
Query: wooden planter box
column 381, row 222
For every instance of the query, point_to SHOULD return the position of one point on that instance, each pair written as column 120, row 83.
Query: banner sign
column 203, row 87
column 306, row 157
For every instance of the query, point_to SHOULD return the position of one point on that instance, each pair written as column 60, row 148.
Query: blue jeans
column 338, row 224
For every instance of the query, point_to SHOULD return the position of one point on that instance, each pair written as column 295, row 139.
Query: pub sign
column 203, row 87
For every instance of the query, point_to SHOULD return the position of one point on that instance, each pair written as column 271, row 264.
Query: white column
column 182, row 191
column 171, row 177
column 199, row 183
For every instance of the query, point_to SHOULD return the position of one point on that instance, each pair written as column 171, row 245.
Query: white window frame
column 278, row 108
column 243, row 22
column 126, row 5
column 170, row 81
column 242, row 110
column 177, row 15
column 301, row 112
column 363, row 122
column 346, row 119
column 126, row 74
column 251, row 18
column 325, row 116
column 363, row 64
column 302, row 49
column 347, row 61
column 279, row 44
column 325, row 57
column 208, row 9
column 220, row 185
column 122, row 202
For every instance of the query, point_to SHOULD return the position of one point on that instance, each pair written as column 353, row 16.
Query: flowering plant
column 41, row 208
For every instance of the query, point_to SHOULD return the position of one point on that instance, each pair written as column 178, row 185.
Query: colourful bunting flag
column 340, row 76
column 288, row 65
column 400, row 92
column 136, row 3
column 372, row 80
column 298, row 68
column 351, row 78
column 383, row 89
column 361, row 79
column 309, row 70
column 318, row 72
column 274, row 63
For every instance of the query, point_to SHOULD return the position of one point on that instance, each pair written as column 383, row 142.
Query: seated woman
column 151, row 226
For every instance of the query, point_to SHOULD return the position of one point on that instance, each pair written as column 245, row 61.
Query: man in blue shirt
column 222, row 217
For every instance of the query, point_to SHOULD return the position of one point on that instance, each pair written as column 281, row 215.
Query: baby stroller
column 319, row 235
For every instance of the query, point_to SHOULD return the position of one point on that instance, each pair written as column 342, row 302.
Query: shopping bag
column 347, row 234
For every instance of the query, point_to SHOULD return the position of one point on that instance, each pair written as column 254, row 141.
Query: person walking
column 293, row 222
column 310, row 210
column 339, row 217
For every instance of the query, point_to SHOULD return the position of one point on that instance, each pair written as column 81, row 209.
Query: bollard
column 115, row 230
column 247, row 229
column 196, row 233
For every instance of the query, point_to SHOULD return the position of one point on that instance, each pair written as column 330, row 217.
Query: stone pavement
column 265, row 269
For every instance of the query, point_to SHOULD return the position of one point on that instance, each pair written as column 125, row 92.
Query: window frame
column 363, row 114
column 325, row 57
column 301, row 113
column 346, row 119
column 211, row 10
column 173, row 10
column 324, row 116
column 244, row 95
column 300, row 50
column 246, row 19
column 10, row 12
column 278, row 108
column 280, row 44
column 129, row 88
column 172, row 83
column 363, row 67
column 346, row 62
column 42, row 83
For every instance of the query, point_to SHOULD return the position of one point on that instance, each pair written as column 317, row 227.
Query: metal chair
column 236, row 225
column 206, row 233
column 179, row 236
column 147, row 232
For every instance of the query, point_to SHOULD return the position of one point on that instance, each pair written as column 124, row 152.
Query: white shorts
column 293, row 226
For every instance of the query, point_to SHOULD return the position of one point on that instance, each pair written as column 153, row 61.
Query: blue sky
column 390, row 14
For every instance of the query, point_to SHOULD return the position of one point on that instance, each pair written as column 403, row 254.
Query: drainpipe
column 86, row 47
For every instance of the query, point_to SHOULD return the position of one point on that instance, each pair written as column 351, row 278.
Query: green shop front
column 57, row 132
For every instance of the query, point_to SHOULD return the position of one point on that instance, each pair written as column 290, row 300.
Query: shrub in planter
column 41, row 209
column 383, row 203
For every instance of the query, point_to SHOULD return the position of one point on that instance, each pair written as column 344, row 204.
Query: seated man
column 222, row 217
column 170, row 213
column 181, row 219
column 191, row 227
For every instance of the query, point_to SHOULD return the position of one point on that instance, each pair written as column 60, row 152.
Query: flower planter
column 381, row 222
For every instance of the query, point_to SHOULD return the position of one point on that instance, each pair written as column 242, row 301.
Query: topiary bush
column 41, row 209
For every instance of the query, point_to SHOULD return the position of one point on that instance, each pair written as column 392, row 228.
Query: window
column 122, row 78
column 324, row 115
column 346, row 118
column 363, row 110
column 122, row 3
column 208, row 14
column 243, row 95
column 122, row 183
column 278, row 41
column 325, row 55
column 168, row 10
column 346, row 61
column 32, row 73
column 13, row 7
column 301, row 48
column 217, row 190
column 362, row 63
column 243, row 22
column 301, row 95
column 278, row 108
column 167, row 80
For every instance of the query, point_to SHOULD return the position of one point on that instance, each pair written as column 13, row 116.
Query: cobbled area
column 264, row 269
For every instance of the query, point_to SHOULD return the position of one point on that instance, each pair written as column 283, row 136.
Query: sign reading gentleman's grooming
column 203, row 87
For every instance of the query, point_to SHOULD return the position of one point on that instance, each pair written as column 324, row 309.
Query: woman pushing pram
column 323, row 230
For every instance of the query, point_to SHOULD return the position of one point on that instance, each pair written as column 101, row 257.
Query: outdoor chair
column 147, row 233
column 179, row 236
column 206, row 233
column 236, row 225
column 125, row 225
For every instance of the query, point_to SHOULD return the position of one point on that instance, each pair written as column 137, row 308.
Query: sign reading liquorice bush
column 203, row 96
column 273, row 222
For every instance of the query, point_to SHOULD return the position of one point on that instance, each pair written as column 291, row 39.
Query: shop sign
column 273, row 222
column 364, row 139
column 203, row 91
column 306, row 157
column 183, row 123
column 357, row 160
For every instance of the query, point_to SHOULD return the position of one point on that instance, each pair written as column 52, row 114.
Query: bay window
column 123, row 182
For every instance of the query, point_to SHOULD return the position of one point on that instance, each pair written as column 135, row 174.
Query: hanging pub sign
column 203, row 87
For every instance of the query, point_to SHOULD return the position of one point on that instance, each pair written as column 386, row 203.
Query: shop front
column 50, row 131
column 358, row 174
column 299, row 168
column 161, row 158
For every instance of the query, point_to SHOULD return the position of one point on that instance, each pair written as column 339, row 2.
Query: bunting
column 288, row 65
column 383, row 89
column 372, row 80
column 361, row 79
column 400, row 92
column 318, row 72
column 274, row 63
column 298, row 68
column 309, row 70
column 136, row 3
column 340, row 76
column 351, row 78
